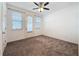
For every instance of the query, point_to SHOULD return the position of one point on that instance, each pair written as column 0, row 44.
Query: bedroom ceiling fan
column 41, row 6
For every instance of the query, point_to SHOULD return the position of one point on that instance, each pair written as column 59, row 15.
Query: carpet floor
column 41, row 46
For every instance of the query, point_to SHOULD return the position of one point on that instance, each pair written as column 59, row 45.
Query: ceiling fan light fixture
column 40, row 9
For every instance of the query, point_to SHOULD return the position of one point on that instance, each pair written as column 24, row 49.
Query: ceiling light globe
column 41, row 9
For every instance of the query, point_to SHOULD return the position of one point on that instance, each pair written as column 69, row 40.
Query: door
column 4, row 27
column 0, row 29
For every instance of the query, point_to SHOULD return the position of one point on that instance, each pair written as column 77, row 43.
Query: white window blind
column 29, row 24
column 37, row 23
column 16, row 20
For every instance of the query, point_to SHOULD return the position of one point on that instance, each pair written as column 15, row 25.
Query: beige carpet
column 41, row 46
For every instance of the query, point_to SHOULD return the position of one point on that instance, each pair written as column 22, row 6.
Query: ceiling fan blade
column 35, row 8
column 46, row 8
column 36, row 3
column 46, row 3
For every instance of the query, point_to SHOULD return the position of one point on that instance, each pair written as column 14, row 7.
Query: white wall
column 62, row 24
column 13, row 35
column 78, row 27
column 4, row 38
column 0, row 29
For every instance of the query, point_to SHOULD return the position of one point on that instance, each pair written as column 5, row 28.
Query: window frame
column 27, row 24
column 10, row 15
column 37, row 22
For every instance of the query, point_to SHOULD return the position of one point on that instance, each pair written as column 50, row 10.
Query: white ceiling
column 54, row 6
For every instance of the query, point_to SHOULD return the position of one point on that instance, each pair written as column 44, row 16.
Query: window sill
column 16, row 29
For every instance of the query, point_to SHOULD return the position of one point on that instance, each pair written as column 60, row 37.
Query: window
column 16, row 20
column 37, row 23
column 29, row 24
